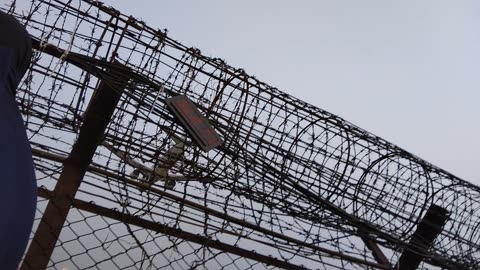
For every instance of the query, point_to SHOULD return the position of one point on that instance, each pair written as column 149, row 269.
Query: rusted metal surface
column 75, row 166
column 377, row 252
column 194, row 122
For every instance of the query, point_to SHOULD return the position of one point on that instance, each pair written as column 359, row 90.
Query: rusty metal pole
column 97, row 117
column 377, row 253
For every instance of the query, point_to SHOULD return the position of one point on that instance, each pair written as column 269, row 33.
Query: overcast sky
column 407, row 71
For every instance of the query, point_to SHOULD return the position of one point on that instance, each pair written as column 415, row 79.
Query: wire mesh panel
column 292, row 186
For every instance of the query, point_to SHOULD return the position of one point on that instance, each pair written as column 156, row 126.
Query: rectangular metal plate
column 194, row 122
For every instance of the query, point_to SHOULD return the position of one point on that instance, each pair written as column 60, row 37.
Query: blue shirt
column 17, row 178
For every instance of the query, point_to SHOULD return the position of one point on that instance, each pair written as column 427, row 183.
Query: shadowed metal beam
column 97, row 117
column 427, row 231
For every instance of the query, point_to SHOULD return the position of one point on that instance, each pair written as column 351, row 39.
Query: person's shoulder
column 14, row 36
column 9, row 24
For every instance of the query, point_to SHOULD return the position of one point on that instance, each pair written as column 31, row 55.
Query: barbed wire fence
column 292, row 186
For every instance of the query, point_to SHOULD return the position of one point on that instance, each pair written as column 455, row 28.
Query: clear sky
column 405, row 70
